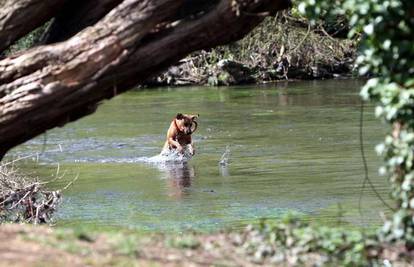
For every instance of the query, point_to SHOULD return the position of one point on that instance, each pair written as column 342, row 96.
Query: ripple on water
column 292, row 149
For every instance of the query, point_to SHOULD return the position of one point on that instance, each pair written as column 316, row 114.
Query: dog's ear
column 195, row 117
column 179, row 116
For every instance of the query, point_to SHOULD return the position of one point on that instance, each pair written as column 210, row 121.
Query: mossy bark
column 19, row 17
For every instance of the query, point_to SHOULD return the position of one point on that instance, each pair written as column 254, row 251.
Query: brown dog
column 179, row 133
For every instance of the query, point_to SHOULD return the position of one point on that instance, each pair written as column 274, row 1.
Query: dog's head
column 186, row 123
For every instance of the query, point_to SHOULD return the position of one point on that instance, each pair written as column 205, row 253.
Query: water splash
column 224, row 162
column 165, row 157
column 170, row 156
column 225, row 158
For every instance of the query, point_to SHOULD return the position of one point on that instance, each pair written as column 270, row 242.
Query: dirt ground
column 17, row 250
column 25, row 245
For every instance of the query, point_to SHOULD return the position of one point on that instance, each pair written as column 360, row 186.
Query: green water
column 294, row 147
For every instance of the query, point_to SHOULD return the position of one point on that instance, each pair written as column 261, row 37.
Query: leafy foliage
column 28, row 41
column 334, row 246
column 387, row 52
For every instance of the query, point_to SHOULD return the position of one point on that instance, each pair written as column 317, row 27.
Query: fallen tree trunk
column 17, row 18
column 79, row 14
column 55, row 84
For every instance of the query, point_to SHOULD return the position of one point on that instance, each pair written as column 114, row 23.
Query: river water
column 292, row 147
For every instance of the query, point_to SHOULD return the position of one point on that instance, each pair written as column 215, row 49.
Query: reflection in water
column 178, row 178
column 224, row 170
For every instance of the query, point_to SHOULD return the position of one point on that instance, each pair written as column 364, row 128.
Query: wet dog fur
column 179, row 133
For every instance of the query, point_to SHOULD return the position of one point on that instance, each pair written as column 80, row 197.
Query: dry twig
column 24, row 198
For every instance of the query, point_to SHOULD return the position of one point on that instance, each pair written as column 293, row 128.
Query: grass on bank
column 287, row 242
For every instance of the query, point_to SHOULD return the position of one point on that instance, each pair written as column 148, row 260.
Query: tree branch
column 55, row 84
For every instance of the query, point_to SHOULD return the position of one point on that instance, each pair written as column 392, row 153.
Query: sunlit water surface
column 294, row 147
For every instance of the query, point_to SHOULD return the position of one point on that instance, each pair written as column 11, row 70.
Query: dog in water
column 179, row 134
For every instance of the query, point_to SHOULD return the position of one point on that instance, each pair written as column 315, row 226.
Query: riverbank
column 289, row 243
column 281, row 48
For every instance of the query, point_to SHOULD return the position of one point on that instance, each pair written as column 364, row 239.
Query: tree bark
column 55, row 84
column 79, row 14
column 18, row 18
